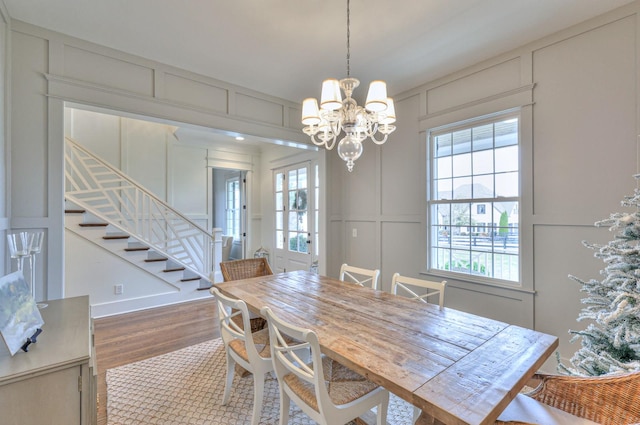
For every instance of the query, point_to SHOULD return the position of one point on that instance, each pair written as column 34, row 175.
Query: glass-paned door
column 293, row 220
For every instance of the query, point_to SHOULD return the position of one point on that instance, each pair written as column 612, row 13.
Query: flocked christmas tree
column 611, row 342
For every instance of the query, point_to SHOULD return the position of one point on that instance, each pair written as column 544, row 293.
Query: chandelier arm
column 316, row 142
column 333, row 142
column 324, row 142
column 376, row 141
column 336, row 128
column 371, row 127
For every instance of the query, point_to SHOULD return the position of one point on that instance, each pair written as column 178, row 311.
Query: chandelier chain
column 337, row 115
column 348, row 40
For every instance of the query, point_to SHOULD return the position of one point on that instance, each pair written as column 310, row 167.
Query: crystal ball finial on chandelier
column 325, row 122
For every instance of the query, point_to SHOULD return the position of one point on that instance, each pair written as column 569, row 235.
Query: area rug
column 185, row 388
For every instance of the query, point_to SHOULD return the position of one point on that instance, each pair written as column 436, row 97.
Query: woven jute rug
column 185, row 388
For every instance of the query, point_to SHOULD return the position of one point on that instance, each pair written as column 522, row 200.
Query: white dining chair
column 359, row 276
column 249, row 350
column 407, row 286
column 328, row 392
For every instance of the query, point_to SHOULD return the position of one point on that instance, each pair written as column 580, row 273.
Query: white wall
column 49, row 69
column 578, row 93
column 5, row 146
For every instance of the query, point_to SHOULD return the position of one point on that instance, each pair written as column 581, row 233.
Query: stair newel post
column 217, row 254
column 137, row 212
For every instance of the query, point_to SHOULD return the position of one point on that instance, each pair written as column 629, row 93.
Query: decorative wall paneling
column 578, row 92
column 49, row 69
column 579, row 89
column 5, row 128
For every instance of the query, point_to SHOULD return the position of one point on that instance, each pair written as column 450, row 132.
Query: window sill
column 458, row 278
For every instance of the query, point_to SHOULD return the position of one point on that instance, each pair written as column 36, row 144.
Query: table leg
column 425, row 419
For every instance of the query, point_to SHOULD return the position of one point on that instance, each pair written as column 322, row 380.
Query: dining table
column 459, row 368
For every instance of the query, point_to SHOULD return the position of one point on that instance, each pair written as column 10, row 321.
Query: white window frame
column 471, row 274
column 233, row 214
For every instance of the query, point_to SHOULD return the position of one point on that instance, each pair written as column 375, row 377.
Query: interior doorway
column 230, row 211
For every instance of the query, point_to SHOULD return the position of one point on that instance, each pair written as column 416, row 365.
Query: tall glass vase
column 19, row 248
column 35, row 247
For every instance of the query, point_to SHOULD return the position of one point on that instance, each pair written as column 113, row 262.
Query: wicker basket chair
column 607, row 399
column 244, row 269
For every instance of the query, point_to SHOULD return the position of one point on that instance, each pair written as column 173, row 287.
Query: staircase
column 127, row 247
column 106, row 207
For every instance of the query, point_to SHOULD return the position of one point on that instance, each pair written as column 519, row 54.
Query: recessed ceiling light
column 239, row 138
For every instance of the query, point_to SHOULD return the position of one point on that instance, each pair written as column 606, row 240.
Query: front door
column 293, row 224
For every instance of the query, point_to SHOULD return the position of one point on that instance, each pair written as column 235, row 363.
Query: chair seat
column 525, row 410
column 257, row 323
column 343, row 384
column 261, row 341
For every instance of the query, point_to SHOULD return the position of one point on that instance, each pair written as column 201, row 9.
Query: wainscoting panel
column 496, row 79
column 259, row 109
column 107, row 71
column 509, row 306
column 402, row 250
column 584, row 149
column 196, row 93
column 361, row 244
column 558, row 253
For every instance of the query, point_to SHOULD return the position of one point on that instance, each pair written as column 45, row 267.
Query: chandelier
column 335, row 115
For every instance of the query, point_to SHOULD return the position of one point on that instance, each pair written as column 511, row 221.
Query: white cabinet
column 54, row 382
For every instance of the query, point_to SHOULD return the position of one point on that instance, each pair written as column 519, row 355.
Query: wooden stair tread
column 189, row 279
column 175, row 269
column 134, row 249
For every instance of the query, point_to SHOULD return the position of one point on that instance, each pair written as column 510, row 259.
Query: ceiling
column 285, row 48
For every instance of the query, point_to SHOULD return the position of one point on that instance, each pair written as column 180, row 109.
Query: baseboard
column 136, row 304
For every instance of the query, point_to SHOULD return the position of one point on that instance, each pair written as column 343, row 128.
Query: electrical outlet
column 354, row 232
column 118, row 289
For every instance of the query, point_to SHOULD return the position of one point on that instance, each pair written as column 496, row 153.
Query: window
column 474, row 199
column 232, row 208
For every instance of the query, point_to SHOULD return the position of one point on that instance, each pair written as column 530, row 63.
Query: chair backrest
column 604, row 399
column 229, row 311
column 409, row 285
column 359, row 276
column 227, row 241
column 243, row 269
column 287, row 342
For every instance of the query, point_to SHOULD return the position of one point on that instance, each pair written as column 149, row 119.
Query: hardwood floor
column 130, row 337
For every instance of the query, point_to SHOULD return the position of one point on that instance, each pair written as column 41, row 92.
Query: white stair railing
column 111, row 195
